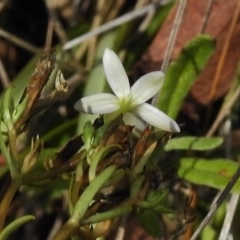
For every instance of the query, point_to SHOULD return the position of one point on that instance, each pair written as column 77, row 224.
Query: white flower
column 129, row 101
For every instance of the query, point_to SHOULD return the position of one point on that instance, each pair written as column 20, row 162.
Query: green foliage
column 213, row 173
column 209, row 233
column 151, row 222
column 193, row 143
column 110, row 160
column 182, row 73
column 13, row 226
column 86, row 198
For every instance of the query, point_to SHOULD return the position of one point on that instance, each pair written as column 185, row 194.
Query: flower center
column 127, row 104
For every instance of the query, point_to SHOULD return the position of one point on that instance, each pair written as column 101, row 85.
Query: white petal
column 133, row 120
column 115, row 74
column 157, row 118
column 97, row 104
column 147, row 86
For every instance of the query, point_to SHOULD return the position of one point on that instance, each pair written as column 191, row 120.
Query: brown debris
column 217, row 26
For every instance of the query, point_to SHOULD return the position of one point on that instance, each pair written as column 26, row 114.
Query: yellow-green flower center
column 126, row 104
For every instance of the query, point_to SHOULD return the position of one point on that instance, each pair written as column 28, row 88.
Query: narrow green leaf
column 6, row 154
column 7, row 108
column 160, row 209
column 142, row 162
column 114, row 213
column 153, row 202
column 213, row 173
column 97, row 158
column 136, row 186
column 193, row 143
column 87, row 196
column 182, row 73
column 13, row 226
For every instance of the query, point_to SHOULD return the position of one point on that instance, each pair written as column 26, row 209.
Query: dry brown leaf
column 217, row 25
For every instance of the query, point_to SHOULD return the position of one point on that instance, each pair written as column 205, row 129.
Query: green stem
column 13, row 226
column 51, row 174
column 119, row 211
column 136, row 186
column 7, row 156
column 87, row 196
column 13, row 148
column 7, row 199
column 6, row 116
column 69, row 228
column 153, row 202
column 61, row 128
column 98, row 157
column 111, row 116
column 83, row 203
column 142, row 162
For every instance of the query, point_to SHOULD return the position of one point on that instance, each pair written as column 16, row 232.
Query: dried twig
column 92, row 43
column 217, row 204
column 231, row 208
column 233, row 201
column 224, row 111
column 3, row 75
column 49, row 34
column 122, row 228
column 19, row 41
column 172, row 40
column 173, row 34
column 115, row 23
column 57, row 24
column 223, row 56
column 206, row 15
